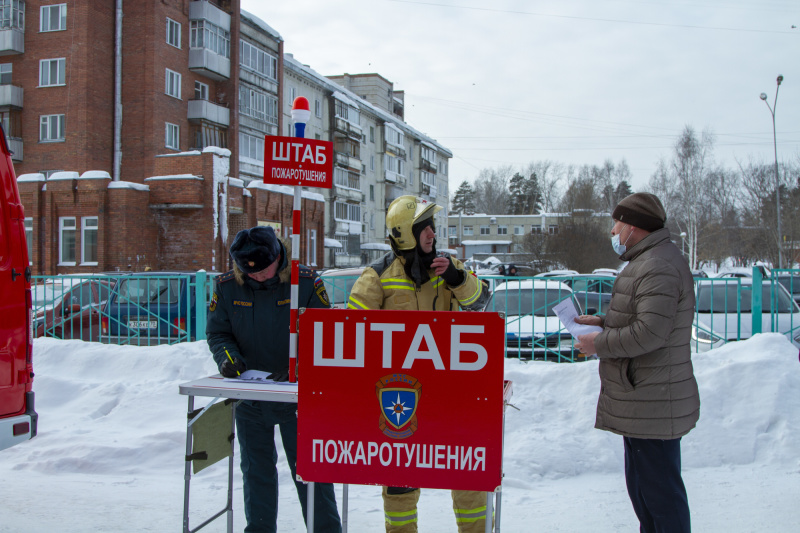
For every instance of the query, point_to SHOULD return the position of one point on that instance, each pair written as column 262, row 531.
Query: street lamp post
column 683, row 240
column 777, row 178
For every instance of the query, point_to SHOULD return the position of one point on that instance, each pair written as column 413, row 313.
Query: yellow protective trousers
column 401, row 511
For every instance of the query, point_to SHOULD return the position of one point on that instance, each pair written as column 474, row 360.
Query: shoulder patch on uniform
column 213, row 305
column 322, row 294
column 227, row 276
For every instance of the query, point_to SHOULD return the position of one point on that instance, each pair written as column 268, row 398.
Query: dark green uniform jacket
column 251, row 319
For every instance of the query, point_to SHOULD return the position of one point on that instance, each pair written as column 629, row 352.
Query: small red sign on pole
column 295, row 161
column 401, row 398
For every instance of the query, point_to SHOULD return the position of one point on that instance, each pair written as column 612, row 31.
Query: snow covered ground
column 109, row 454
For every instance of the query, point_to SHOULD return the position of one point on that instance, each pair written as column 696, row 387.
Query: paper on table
column 258, row 376
column 566, row 312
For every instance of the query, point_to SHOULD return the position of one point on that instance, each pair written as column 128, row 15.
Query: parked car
column 76, row 313
column 557, row 273
column 724, row 312
column 532, row 328
column 592, row 292
column 791, row 282
column 605, row 272
column 338, row 284
column 150, row 308
column 18, row 418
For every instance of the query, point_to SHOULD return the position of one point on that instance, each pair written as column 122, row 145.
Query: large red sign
column 401, row 398
column 298, row 161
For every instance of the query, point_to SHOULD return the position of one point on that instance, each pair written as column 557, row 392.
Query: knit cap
column 642, row 210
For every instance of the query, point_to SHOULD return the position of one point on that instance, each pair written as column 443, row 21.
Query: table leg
column 187, row 472
column 345, row 491
column 310, row 507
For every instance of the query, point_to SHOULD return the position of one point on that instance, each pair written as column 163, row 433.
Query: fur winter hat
column 255, row 249
column 641, row 209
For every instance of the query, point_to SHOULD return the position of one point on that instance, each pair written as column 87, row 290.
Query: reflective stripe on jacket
column 385, row 285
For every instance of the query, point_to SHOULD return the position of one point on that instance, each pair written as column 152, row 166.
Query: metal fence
column 141, row 309
column 162, row 308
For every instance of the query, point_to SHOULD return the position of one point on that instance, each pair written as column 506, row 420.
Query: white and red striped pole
column 300, row 115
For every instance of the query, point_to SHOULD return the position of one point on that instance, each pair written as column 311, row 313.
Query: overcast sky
column 572, row 81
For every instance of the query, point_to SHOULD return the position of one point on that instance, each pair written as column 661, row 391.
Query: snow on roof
column 223, row 152
column 293, row 63
column 376, row 246
column 64, row 175
column 283, row 189
column 174, row 177
column 332, row 243
column 261, row 24
column 36, row 176
column 95, row 175
column 235, row 182
column 128, row 185
column 180, row 154
column 344, row 98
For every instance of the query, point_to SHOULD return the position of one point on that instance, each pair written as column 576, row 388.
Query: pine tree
column 516, row 191
column 464, row 199
column 623, row 190
column 533, row 195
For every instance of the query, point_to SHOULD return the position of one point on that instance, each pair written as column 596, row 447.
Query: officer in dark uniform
column 249, row 318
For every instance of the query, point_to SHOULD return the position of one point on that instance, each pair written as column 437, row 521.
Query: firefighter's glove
column 452, row 276
column 281, row 375
column 232, row 370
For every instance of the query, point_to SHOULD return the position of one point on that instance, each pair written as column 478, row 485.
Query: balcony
column 204, row 10
column 12, row 41
column 11, row 96
column 427, row 165
column 209, row 64
column 203, row 110
column 15, row 146
column 397, row 151
column 346, row 160
column 351, row 130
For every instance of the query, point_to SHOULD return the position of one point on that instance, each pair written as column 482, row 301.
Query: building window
column 251, row 147
column 88, row 240
column 351, row 244
column 173, row 84
column 292, row 95
column 484, row 230
column 452, row 231
column 347, row 212
column 372, row 162
column 29, row 238
column 173, row 33
column 317, row 108
column 259, row 105
column 202, row 135
column 372, row 193
column 468, row 231
column 51, row 128
column 53, row 18
column 172, row 136
column 12, row 14
column 347, row 179
column 5, row 73
column 553, row 230
column 372, row 134
column 259, row 61
column 502, row 230
column 347, row 112
column 203, row 34
column 66, row 241
column 52, row 72
column 518, row 230
column 200, row 90
column 311, row 249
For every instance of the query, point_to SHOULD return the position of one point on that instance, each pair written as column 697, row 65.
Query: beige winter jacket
column 647, row 384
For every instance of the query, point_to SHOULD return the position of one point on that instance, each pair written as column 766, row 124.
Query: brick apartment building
column 139, row 140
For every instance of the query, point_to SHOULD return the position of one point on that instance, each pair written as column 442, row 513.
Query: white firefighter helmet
column 403, row 213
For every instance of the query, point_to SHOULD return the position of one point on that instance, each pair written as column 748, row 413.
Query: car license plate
column 142, row 324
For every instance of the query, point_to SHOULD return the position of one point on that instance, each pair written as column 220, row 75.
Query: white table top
column 216, row 386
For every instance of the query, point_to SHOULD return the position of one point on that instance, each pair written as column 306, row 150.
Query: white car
column 724, row 312
column 532, row 328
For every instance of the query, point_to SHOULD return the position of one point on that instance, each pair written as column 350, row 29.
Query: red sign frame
column 437, row 376
column 296, row 161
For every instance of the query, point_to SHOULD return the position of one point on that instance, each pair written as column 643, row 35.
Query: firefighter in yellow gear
column 413, row 277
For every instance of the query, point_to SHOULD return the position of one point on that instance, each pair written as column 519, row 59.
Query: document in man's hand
column 566, row 313
column 258, row 376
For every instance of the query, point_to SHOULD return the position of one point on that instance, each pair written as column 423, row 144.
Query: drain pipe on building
column 117, row 93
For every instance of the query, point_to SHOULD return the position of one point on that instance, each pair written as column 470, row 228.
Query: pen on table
column 231, row 360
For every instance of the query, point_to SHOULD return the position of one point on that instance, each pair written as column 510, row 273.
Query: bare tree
column 550, row 176
column 491, row 190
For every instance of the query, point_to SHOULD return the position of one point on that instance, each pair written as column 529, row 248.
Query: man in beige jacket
column 648, row 393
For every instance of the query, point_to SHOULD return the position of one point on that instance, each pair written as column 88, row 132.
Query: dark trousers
column 655, row 486
column 255, row 426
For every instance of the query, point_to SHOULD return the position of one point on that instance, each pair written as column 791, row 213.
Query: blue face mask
column 619, row 248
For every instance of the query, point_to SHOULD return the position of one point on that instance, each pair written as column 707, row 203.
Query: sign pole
column 300, row 115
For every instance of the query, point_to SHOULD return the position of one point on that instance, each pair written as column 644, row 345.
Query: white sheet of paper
column 259, row 376
column 566, row 312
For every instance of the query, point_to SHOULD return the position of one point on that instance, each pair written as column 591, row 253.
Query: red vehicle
column 76, row 313
column 17, row 415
